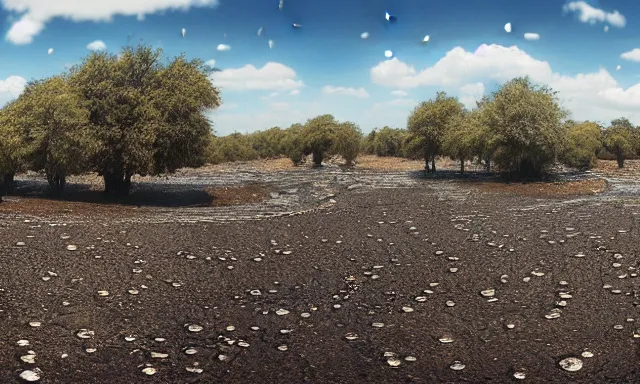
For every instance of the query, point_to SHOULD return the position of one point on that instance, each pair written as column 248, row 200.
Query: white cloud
column 633, row 55
column 272, row 76
column 355, row 92
column 223, row 47
column 34, row 14
column 589, row 96
column 210, row 63
column 97, row 45
column 10, row 88
column 470, row 93
column 227, row 123
column 399, row 93
column 592, row 15
column 295, row 92
column 531, row 36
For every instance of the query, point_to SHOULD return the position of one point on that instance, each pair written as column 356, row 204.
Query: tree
column 182, row 94
column 318, row 136
column 427, row 125
column 389, row 142
column 348, row 138
column 148, row 118
column 525, row 120
column 620, row 140
column 269, row 143
column 462, row 140
column 368, row 142
column 293, row 144
column 583, row 142
column 14, row 148
column 56, row 124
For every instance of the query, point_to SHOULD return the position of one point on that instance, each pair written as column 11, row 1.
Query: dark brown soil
column 306, row 280
column 544, row 190
column 238, row 195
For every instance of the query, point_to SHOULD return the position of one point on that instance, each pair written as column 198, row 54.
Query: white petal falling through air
column 388, row 54
column 296, row 25
column 426, row 39
column 223, row 47
column 270, row 44
column 260, row 31
column 618, row 67
column 606, row 28
column 281, row 5
column 364, row 35
column 389, row 17
column 507, row 27
column 184, row 32
column 50, row 51
column 531, row 36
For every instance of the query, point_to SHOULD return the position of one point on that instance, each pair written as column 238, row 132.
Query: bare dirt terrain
column 248, row 273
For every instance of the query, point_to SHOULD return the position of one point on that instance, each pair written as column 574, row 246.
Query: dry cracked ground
column 324, row 276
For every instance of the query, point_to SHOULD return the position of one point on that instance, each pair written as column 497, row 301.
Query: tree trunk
column 461, row 165
column 427, row 169
column 620, row 158
column 117, row 183
column 8, row 183
column 317, row 159
column 433, row 163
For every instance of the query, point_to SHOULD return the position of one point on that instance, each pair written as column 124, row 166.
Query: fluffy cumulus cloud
column 10, row 88
column 632, row 55
column 35, row 14
column 355, row 92
column 272, row 76
column 589, row 14
column 589, row 96
column 97, row 45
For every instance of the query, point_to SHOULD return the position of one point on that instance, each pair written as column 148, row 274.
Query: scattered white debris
column 282, row 312
column 184, row 32
column 571, row 364
column 50, row 51
column 260, row 31
column 507, row 27
column 364, row 35
column 271, row 43
column 158, row 355
column 223, row 47
column 150, row 371
column 618, row 67
column 457, row 366
column 195, row 328
column 425, row 39
column 29, row 375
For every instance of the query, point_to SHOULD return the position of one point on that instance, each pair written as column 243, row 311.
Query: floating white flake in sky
column 270, row 44
column 618, row 67
column 364, row 35
column 507, row 27
column 388, row 53
column 50, row 51
column 281, row 5
column 606, row 28
column 426, row 39
column 260, row 31
column 184, row 32
column 295, row 25
column 224, row 47
column 531, row 36
column 389, row 17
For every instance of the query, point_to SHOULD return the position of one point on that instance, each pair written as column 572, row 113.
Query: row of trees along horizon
column 138, row 113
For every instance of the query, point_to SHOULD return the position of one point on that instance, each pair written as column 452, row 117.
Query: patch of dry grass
column 542, row 189
column 238, row 195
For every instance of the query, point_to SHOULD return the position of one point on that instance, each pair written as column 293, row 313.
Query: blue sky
column 326, row 67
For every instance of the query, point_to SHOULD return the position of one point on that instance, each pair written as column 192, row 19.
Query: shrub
column 390, row 142
column 347, row 140
column 583, row 143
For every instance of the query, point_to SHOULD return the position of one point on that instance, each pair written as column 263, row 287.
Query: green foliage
column 347, row 140
column 367, row 146
column 464, row 137
column 621, row 140
column 318, row 136
column 146, row 117
column 525, row 125
column 427, row 125
column 269, row 144
column 389, row 142
column 231, row 148
column 293, row 145
column 583, row 142
column 55, row 122
column 14, row 148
